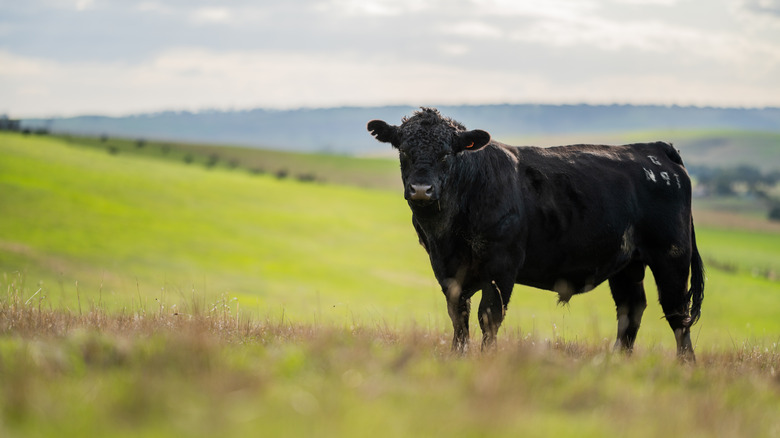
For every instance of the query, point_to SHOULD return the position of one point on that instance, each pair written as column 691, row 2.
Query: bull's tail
column 696, row 293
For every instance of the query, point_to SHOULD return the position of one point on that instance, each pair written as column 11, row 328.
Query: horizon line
column 216, row 110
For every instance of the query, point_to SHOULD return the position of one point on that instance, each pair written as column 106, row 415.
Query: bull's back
column 605, row 180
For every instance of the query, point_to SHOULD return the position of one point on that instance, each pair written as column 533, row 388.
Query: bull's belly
column 570, row 280
column 576, row 266
column 570, row 284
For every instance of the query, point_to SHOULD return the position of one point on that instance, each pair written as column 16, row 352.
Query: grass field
column 213, row 374
column 148, row 297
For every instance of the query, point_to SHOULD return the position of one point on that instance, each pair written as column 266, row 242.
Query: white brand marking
column 666, row 178
column 649, row 174
column 677, row 178
column 654, row 160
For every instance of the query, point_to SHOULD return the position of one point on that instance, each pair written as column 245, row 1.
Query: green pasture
column 80, row 227
column 755, row 252
column 148, row 297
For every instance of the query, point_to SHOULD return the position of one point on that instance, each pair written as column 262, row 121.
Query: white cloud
column 154, row 7
column 333, row 52
column 453, row 49
column 472, row 29
column 771, row 7
column 647, row 2
column 82, row 5
column 589, row 32
column 211, row 15
column 757, row 15
column 191, row 79
column 386, row 8
column 551, row 9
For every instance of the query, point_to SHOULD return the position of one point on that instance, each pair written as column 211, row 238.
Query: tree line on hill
column 742, row 180
column 737, row 180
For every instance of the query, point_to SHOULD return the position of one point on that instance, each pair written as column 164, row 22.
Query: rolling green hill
column 80, row 227
column 713, row 148
column 138, row 225
column 329, row 168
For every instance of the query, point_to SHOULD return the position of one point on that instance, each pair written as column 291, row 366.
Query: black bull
column 563, row 219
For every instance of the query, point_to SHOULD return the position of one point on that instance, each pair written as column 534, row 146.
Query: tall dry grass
column 31, row 317
column 211, row 369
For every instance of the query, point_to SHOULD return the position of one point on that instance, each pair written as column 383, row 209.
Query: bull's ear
column 383, row 132
column 471, row 140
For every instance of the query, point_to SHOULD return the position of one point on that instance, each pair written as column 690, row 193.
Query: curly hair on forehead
column 431, row 116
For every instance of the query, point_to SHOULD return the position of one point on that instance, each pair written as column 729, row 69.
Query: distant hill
column 342, row 130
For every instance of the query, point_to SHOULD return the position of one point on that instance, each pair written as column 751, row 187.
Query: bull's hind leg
column 492, row 308
column 671, row 277
column 630, row 302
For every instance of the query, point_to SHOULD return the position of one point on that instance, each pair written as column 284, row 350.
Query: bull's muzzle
column 420, row 192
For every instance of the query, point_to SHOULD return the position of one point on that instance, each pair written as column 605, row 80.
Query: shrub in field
column 212, row 160
column 306, row 177
column 774, row 212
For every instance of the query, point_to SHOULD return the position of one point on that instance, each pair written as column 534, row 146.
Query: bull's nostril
column 420, row 192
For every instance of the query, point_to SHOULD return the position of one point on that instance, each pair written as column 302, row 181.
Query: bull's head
column 428, row 145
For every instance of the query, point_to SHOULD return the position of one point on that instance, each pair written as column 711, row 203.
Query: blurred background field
column 142, row 294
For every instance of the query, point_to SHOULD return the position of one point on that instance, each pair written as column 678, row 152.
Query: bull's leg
column 459, row 308
column 492, row 308
column 630, row 303
column 671, row 277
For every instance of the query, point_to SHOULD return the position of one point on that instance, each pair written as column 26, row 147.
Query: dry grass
column 208, row 369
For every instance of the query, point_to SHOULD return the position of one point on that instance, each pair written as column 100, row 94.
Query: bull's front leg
column 459, row 307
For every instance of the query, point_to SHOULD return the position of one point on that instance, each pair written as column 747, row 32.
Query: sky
column 120, row 57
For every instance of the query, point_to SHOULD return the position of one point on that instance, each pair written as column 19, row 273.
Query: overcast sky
column 116, row 57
